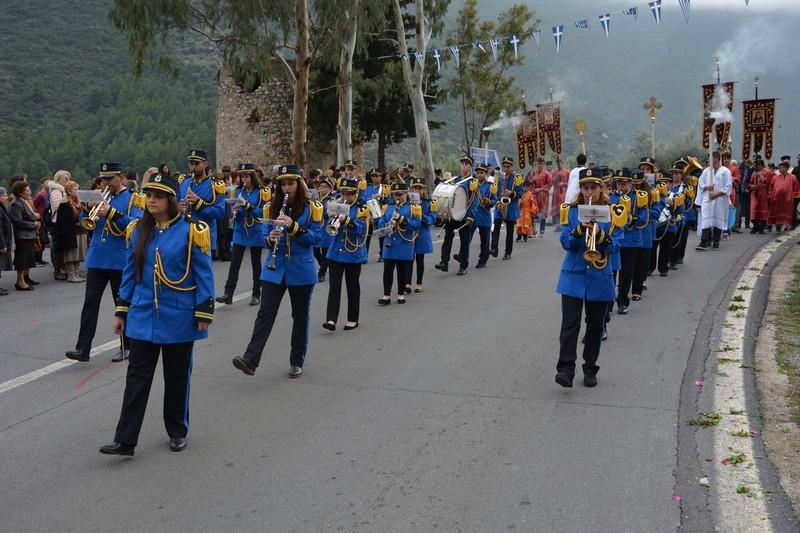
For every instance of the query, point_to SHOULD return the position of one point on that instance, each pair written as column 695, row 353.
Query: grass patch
column 725, row 348
column 725, row 361
column 735, row 458
column 745, row 288
column 738, row 298
column 741, row 433
column 736, row 307
column 737, row 412
column 754, row 368
column 706, row 419
column 742, row 489
column 787, row 333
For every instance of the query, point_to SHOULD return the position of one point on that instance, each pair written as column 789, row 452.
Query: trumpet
column 332, row 229
column 90, row 222
column 271, row 265
column 393, row 222
column 591, row 254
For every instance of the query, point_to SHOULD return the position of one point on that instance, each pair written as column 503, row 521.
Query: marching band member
column 423, row 245
column 671, row 204
column 586, row 281
column 251, row 197
column 678, row 193
column 468, row 182
column 690, row 179
column 105, row 259
column 631, row 236
column 349, row 171
column 325, row 189
column 290, row 265
column 512, row 191
column 647, row 225
column 346, row 254
column 482, row 212
column 376, row 191
column 398, row 247
column 408, row 173
column 202, row 197
column 166, row 303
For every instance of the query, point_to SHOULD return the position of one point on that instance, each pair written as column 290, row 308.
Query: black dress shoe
column 78, row 355
column 177, row 444
column 673, row 267
column 329, row 326
column 226, row 299
column 663, row 274
column 348, row 327
column 384, row 301
column 461, row 272
column 565, row 380
column 495, row 253
column 441, row 266
column 456, row 258
column 636, row 297
column 255, row 300
column 401, row 300
column 119, row 356
column 115, row 448
column 480, row 265
column 622, row 310
column 29, row 281
column 590, row 381
column 506, row 257
column 244, row 365
column 408, row 289
column 19, row 288
column 321, row 278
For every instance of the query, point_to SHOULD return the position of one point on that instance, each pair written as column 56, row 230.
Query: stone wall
column 254, row 126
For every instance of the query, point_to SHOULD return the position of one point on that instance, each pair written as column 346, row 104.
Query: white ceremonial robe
column 714, row 213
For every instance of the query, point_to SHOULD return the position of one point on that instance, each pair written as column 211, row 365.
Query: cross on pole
column 652, row 106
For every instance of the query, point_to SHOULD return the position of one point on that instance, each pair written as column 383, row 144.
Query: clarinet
column 271, row 265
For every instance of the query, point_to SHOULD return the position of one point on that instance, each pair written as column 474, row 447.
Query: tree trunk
column 381, row 149
column 302, row 66
column 344, row 128
column 414, row 79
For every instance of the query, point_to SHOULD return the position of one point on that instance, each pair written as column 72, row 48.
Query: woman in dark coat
column 6, row 236
column 25, row 228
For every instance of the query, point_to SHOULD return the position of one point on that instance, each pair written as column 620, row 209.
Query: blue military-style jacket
column 176, row 287
column 632, row 236
column 514, row 183
column 325, row 240
column 107, row 248
column 424, row 242
column 246, row 230
column 349, row 245
column 294, row 262
column 579, row 278
column 211, row 207
column 483, row 214
column 399, row 246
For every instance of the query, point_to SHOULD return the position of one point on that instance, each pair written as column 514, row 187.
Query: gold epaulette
column 625, row 201
column 200, row 235
column 219, row 185
column 619, row 216
column 317, row 211
column 362, row 185
column 663, row 189
column 265, row 213
column 518, row 180
column 493, row 188
column 655, row 197
column 693, row 181
column 565, row 214
column 416, row 211
column 473, row 185
column 139, row 200
column 363, row 212
column 129, row 229
column 266, row 194
column 384, row 207
column 180, row 178
column 690, row 192
column 434, row 206
column 642, row 199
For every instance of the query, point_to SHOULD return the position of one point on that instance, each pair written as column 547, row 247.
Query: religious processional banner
column 527, row 138
column 759, row 120
column 549, row 116
column 723, row 127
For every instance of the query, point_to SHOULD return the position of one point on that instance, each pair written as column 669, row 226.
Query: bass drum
column 451, row 201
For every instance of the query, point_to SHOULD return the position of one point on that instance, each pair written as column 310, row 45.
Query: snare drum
column 451, row 201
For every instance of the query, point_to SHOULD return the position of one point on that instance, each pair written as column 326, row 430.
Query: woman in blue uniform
column 290, row 266
column 584, row 282
column 166, row 302
column 348, row 251
column 325, row 190
column 251, row 197
column 405, row 220
column 424, row 243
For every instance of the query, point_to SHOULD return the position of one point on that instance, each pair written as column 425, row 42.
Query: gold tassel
column 564, row 215
column 416, row 211
column 219, row 186
column 518, row 180
column 200, row 235
column 316, row 211
column 129, row 229
column 266, row 195
column 434, row 206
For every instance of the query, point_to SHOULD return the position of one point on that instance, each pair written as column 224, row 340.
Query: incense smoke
column 719, row 107
column 752, row 52
column 504, row 122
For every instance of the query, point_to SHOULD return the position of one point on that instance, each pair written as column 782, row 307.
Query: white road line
column 54, row 367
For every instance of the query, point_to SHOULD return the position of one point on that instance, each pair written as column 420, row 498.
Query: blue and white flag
column 494, row 43
column 455, row 51
column 437, row 55
column 583, row 24
column 632, row 11
column 558, row 34
column 655, row 7
column 403, row 57
column 605, row 21
column 685, row 6
column 479, row 46
column 537, row 36
column 514, row 40
column 420, row 58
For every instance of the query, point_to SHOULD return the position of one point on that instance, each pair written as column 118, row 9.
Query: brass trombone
column 89, row 222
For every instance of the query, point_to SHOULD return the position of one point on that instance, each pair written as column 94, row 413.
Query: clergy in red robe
column 759, row 186
column 782, row 192
column 735, row 175
column 542, row 187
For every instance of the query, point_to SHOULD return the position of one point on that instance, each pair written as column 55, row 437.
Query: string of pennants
column 558, row 34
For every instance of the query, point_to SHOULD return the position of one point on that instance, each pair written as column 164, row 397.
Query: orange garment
column 528, row 209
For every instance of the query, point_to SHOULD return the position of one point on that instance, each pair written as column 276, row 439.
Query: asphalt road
column 438, row 415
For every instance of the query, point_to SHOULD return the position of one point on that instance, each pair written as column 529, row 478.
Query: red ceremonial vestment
column 544, row 182
column 759, row 195
column 783, row 191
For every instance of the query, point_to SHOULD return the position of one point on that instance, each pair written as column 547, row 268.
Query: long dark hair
column 297, row 207
column 146, row 228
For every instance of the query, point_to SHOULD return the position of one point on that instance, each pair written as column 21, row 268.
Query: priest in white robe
column 713, row 199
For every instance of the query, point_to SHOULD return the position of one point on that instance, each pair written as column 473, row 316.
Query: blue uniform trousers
column 177, row 364
column 96, row 281
column 571, row 309
column 510, row 224
column 271, row 296
column 403, row 275
column 485, row 235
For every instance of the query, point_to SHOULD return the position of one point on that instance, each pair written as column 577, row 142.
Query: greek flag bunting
column 420, row 58
column 632, row 11
column 605, row 21
column 537, row 36
column 456, row 52
column 437, row 55
column 479, row 46
column 494, row 43
column 514, row 40
column 558, row 34
column 583, row 24
column 685, row 6
column 655, row 7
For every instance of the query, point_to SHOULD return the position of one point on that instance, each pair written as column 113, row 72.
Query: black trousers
column 351, row 273
column 236, row 264
column 640, row 269
column 96, row 281
column 509, row 235
column 710, row 234
column 403, row 269
column 271, row 296
column 628, row 257
column 486, row 237
column 464, row 234
column 665, row 251
column 652, row 260
column 322, row 259
column 224, row 236
column 420, row 261
column 177, row 364
column 571, row 311
column 369, row 239
column 744, row 210
column 688, row 227
column 542, row 222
